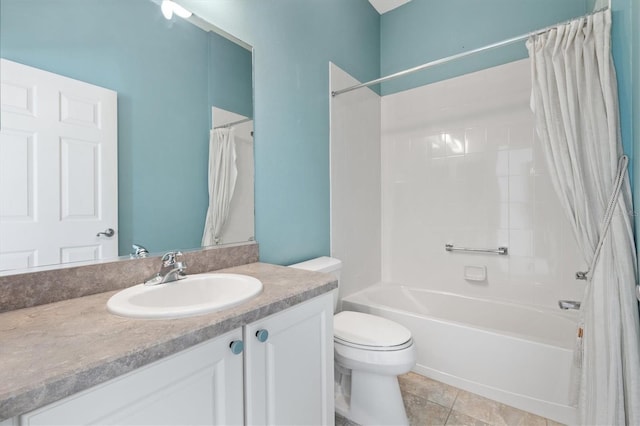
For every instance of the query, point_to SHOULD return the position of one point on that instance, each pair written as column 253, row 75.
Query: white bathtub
column 518, row 355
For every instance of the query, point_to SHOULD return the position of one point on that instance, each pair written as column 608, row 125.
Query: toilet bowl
column 370, row 352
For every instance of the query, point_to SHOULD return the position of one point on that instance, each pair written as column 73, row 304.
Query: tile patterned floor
column 429, row 402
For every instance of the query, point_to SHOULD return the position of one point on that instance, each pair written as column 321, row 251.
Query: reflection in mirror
column 132, row 94
column 237, row 223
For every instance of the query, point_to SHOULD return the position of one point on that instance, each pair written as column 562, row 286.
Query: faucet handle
column 170, row 257
column 568, row 304
column 181, row 267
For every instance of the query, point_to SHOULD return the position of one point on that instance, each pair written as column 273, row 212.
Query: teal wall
column 622, row 47
column 635, row 108
column 160, row 70
column 426, row 30
column 226, row 59
column 626, row 55
column 293, row 41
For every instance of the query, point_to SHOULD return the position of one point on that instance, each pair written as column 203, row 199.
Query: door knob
column 108, row 233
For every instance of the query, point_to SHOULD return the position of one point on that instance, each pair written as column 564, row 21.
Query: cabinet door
column 200, row 385
column 289, row 377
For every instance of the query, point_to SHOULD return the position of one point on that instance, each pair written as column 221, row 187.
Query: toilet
column 369, row 353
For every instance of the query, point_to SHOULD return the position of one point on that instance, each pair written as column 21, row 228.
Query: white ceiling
column 383, row 6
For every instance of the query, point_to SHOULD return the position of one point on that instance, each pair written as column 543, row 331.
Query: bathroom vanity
column 266, row 361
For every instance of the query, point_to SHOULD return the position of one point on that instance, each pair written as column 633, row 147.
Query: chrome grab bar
column 500, row 250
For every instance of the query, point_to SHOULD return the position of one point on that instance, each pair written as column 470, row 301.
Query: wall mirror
column 174, row 80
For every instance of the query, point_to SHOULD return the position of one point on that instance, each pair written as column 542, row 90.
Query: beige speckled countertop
column 52, row 351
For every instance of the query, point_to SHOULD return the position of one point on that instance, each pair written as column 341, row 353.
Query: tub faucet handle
column 568, row 304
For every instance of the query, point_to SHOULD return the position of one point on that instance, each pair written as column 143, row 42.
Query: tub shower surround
column 355, row 183
column 461, row 165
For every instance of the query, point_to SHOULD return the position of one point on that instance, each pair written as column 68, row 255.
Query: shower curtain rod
column 459, row 55
column 233, row 123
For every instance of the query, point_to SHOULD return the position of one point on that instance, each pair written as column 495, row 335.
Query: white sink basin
column 194, row 295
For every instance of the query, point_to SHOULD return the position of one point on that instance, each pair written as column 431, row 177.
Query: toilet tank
column 326, row 264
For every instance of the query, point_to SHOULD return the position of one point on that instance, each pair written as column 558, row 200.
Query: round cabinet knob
column 237, row 346
column 262, row 335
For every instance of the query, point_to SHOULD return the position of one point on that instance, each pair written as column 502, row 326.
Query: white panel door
column 58, row 168
column 289, row 377
column 198, row 386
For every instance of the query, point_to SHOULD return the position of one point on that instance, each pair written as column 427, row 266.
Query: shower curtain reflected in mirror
column 222, row 182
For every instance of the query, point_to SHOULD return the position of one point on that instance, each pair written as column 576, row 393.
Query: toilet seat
column 379, row 361
column 373, row 348
column 369, row 332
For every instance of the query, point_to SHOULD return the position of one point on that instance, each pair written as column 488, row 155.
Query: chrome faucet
column 170, row 270
column 568, row 304
column 138, row 251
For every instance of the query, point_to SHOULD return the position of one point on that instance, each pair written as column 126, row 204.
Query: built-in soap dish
column 475, row 273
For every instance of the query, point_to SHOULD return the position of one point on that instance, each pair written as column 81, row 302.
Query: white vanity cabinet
column 202, row 385
column 281, row 374
column 289, row 366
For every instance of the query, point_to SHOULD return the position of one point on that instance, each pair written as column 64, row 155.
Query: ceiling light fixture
column 170, row 7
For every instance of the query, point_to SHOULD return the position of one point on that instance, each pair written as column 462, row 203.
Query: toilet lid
column 368, row 330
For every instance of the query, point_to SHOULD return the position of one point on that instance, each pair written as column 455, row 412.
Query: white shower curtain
column 222, row 182
column 575, row 102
